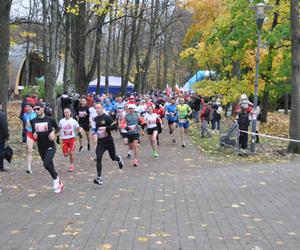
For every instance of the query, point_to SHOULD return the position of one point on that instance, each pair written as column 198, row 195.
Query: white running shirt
column 150, row 120
column 67, row 128
column 93, row 114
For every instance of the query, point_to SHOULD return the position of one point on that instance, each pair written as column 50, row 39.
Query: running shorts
column 133, row 137
column 151, row 130
column 68, row 146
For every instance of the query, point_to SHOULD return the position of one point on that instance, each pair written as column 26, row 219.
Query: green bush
column 41, row 90
column 28, row 90
column 59, row 89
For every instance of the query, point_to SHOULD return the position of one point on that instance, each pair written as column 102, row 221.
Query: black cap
column 39, row 104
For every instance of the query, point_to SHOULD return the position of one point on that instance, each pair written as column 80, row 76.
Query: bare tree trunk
column 134, row 35
column 5, row 8
column 107, row 59
column 123, row 46
column 79, row 28
column 50, row 50
column 295, row 79
column 266, row 95
column 66, row 77
column 236, row 69
column 286, row 103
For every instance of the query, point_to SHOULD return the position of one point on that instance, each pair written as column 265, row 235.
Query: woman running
column 27, row 117
column 150, row 119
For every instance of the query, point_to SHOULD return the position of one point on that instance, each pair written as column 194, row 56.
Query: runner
column 119, row 108
column 93, row 134
column 83, row 120
column 150, row 119
column 131, row 123
column 68, row 129
column 183, row 111
column 27, row 117
column 44, row 129
column 170, row 110
column 158, row 109
column 104, row 125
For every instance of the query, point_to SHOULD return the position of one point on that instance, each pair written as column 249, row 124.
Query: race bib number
column 81, row 114
column 132, row 127
column 102, row 133
column 68, row 132
column 151, row 122
column 182, row 120
column 41, row 127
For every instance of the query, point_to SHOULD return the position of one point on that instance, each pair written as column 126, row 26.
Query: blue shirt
column 171, row 108
column 109, row 107
column 28, row 117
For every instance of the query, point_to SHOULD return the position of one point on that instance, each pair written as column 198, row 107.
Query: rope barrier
column 270, row 136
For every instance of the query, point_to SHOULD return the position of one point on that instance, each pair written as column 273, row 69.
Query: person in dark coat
column 4, row 136
column 243, row 122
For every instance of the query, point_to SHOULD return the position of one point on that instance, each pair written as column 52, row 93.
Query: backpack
column 219, row 110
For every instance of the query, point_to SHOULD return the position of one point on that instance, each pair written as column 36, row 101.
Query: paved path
column 179, row 201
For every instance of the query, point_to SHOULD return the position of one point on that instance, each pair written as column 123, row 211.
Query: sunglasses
column 36, row 109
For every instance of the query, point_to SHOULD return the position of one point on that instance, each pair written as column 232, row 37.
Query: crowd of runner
column 95, row 118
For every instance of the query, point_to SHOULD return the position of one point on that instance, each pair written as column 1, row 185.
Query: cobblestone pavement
column 179, row 201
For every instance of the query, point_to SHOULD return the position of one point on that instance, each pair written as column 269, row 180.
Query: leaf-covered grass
column 267, row 151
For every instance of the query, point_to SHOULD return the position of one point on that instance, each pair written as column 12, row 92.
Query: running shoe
column 155, row 154
column 171, row 132
column 121, row 163
column 88, row 147
column 183, row 145
column 98, row 180
column 128, row 156
column 28, row 171
column 80, row 149
column 59, row 188
column 135, row 163
column 174, row 140
column 71, row 168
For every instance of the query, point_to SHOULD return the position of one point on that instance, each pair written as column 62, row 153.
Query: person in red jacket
column 205, row 117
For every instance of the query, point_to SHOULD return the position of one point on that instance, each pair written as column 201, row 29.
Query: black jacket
column 243, row 121
column 4, row 135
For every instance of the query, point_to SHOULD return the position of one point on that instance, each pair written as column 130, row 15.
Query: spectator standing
column 243, row 122
column 4, row 136
column 205, row 117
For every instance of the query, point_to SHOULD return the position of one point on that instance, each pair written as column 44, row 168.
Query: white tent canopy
column 113, row 81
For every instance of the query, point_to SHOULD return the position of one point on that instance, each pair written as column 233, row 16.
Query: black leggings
column 102, row 146
column 47, row 155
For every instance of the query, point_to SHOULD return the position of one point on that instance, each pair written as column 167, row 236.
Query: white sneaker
column 59, row 188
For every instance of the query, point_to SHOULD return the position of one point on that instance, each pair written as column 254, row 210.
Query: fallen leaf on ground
column 143, row 239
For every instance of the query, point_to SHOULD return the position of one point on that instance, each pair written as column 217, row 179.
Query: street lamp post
column 260, row 10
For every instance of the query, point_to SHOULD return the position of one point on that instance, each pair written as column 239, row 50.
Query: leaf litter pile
column 267, row 151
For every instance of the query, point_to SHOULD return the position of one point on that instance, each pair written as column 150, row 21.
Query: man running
column 68, row 129
column 84, row 122
column 183, row 111
column 104, row 125
column 170, row 110
column 44, row 129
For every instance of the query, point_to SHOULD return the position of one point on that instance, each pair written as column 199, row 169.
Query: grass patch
column 267, row 151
